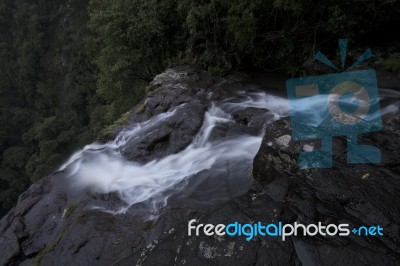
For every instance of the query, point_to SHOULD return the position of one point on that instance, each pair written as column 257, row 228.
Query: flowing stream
column 208, row 171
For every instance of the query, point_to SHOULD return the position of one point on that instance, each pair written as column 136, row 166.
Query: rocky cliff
column 217, row 150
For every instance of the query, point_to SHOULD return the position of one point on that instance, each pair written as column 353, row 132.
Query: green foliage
column 46, row 90
column 109, row 132
column 392, row 63
column 280, row 33
column 135, row 40
column 71, row 68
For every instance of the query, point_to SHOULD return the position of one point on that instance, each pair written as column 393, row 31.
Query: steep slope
column 188, row 154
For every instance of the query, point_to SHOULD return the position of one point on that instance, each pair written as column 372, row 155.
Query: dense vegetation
column 71, row 67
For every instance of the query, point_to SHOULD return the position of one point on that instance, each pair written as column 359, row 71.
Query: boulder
column 168, row 136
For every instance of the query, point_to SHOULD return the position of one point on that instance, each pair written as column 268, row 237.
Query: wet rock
column 55, row 224
column 224, row 88
column 166, row 137
column 32, row 224
column 9, row 247
column 252, row 119
column 172, row 88
column 337, row 195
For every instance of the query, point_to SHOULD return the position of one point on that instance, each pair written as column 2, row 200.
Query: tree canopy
column 69, row 68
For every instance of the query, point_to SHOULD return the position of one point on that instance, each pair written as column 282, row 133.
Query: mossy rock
column 71, row 208
column 49, row 247
column 110, row 131
column 392, row 63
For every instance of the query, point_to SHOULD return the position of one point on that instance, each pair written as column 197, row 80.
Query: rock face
column 354, row 194
column 175, row 134
column 54, row 225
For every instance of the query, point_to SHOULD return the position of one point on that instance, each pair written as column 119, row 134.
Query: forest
column 71, row 68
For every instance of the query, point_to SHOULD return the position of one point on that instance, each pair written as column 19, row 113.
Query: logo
column 279, row 229
column 341, row 104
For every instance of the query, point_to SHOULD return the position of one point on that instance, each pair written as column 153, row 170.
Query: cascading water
column 208, row 171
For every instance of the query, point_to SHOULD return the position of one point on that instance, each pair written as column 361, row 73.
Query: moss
column 81, row 214
column 49, row 247
column 151, row 91
column 109, row 131
column 71, row 208
column 149, row 225
column 392, row 63
column 219, row 71
column 148, row 89
column 140, row 107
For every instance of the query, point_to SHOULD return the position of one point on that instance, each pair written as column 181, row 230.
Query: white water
column 103, row 169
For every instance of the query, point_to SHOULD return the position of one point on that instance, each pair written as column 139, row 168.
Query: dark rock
column 55, row 224
column 172, row 88
column 253, row 119
column 223, row 89
column 34, row 221
column 344, row 194
column 166, row 137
